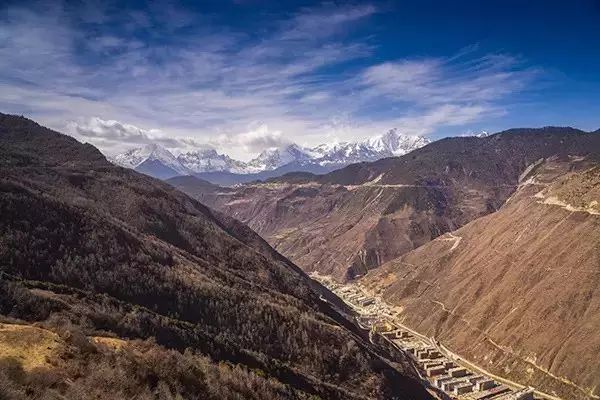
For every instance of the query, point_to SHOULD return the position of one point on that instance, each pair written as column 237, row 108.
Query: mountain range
column 353, row 219
column 115, row 285
column 156, row 161
column 489, row 244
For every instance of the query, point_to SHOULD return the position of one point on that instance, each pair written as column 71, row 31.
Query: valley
column 493, row 289
column 451, row 264
column 299, row 200
column 350, row 221
column 91, row 250
column 488, row 282
column 438, row 366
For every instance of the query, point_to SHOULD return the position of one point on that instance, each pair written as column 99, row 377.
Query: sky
column 245, row 75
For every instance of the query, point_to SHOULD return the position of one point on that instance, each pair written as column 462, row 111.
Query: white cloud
column 323, row 21
column 438, row 81
column 218, row 86
column 112, row 135
column 252, row 141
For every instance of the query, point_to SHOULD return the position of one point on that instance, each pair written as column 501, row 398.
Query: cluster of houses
column 447, row 375
column 436, row 367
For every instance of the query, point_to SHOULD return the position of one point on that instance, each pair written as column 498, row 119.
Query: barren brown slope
column 354, row 219
column 517, row 291
column 107, row 250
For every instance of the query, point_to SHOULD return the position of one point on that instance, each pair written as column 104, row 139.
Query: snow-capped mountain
column 390, row 144
column 159, row 162
column 480, row 134
column 273, row 158
column 394, row 143
column 208, row 160
column 150, row 154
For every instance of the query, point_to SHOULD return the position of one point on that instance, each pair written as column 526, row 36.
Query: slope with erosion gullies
column 354, row 219
column 517, row 291
column 113, row 252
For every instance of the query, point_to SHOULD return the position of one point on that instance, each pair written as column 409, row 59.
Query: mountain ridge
column 100, row 250
column 208, row 164
column 494, row 288
column 360, row 216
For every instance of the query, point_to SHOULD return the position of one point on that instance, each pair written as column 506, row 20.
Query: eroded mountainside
column 185, row 301
column 517, row 291
column 352, row 220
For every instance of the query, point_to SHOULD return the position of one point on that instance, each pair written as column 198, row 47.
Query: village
column 437, row 366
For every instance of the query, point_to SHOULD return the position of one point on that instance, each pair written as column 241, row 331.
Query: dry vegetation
column 30, row 346
column 354, row 219
column 78, row 367
column 109, row 252
column 519, row 295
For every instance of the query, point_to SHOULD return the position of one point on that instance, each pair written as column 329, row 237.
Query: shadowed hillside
column 201, row 190
column 89, row 250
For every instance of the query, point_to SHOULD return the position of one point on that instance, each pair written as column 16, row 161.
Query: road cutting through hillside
column 554, row 201
column 457, row 240
column 454, row 238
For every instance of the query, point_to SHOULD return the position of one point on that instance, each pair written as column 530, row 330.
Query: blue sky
column 245, row 75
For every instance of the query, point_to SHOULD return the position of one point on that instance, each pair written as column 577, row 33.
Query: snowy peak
column 132, row 158
column 393, row 143
column 480, row 134
column 156, row 160
column 159, row 153
column 268, row 159
column 135, row 157
column 389, row 144
column 273, row 158
column 208, row 160
column 298, row 153
column 150, row 153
